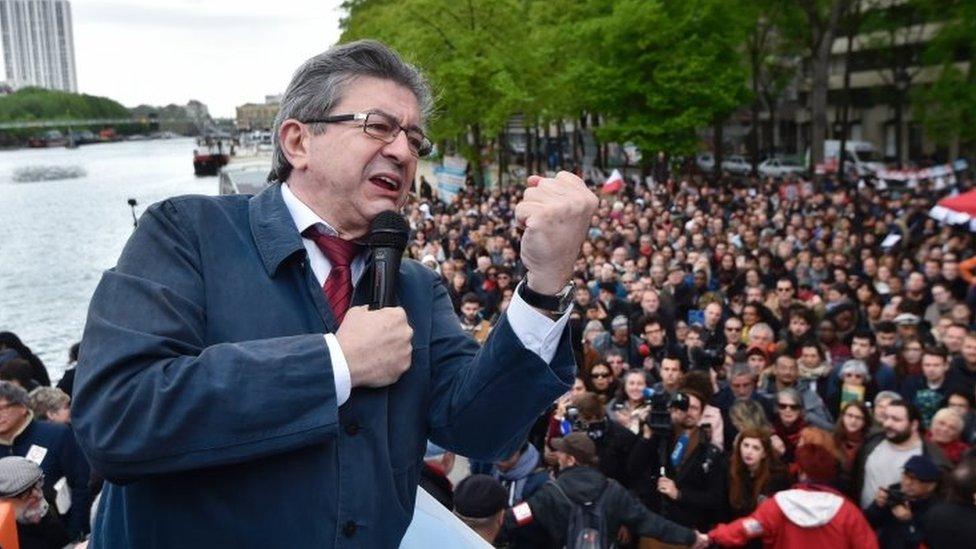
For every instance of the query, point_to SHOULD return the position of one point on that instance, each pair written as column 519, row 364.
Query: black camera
column 661, row 403
column 896, row 496
column 706, row 359
column 595, row 429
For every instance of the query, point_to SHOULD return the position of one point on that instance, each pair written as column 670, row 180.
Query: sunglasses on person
column 599, row 375
column 785, row 406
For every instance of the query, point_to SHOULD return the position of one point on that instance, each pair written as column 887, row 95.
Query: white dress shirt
column 537, row 332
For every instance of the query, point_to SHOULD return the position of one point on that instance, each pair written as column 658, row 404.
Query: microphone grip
column 386, row 265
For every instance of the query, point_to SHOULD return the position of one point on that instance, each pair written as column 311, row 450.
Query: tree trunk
column 527, row 155
column 560, row 134
column 822, row 39
column 539, row 152
column 479, row 176
column 899, row 117
column 717, row 145
column 502, row 158
column 845, row 131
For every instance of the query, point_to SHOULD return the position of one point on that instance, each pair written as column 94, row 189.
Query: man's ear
column 294, row 139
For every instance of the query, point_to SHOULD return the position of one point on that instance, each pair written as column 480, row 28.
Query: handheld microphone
column 387, row 238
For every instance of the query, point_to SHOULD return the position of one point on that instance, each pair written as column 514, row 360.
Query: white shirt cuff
column 340, row 370
column 537, row 332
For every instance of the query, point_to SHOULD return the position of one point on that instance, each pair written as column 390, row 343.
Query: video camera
column 661, row 403
column 573, row 422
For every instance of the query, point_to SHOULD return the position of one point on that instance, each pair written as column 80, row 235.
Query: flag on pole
column 614, row 183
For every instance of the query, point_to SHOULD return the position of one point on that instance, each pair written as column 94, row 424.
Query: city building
column 38, row 44
column 258, row 116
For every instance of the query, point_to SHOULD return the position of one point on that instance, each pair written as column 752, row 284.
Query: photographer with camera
column 613, row 441
column 898, row 510
column 676, row 471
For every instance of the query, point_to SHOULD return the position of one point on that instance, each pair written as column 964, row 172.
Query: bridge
column 28, row 124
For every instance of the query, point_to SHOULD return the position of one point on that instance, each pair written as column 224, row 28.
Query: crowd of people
column 788, row 361
column 783, row 361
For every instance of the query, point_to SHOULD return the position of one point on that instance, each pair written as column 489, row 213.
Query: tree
column 470, row 52
column 814, row 31
column 947, row 108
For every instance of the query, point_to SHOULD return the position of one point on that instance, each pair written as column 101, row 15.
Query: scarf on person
column 817, row 372
column 515, row 478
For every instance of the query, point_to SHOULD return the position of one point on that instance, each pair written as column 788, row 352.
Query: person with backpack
column 583, row 509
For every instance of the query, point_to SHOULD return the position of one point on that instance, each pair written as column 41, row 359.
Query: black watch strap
column 553, row 303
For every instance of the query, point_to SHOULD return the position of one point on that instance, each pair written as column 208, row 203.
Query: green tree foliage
column 656, row 70
column 41, row 104
column 947, row 108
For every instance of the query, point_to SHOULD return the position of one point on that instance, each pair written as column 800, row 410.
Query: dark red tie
column 338, row 285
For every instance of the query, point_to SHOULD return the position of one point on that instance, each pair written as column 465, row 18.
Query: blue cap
column 922, row 468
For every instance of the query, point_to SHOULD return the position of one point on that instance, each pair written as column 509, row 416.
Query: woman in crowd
column 788, row 423
column 755, row 472
column 909, row 360
column 854, row 377
column 945, row 432
column 629, row 405
column 853, row 425
column 601, row 382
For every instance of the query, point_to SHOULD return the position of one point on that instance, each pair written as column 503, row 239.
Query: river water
column 57, row 237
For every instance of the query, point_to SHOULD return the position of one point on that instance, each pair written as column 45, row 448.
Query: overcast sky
column 222, row 52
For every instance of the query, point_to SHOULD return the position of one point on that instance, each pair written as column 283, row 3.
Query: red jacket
column 806, row 516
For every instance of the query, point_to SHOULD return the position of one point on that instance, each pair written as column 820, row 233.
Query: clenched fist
column 376, row 345
column 555, row 213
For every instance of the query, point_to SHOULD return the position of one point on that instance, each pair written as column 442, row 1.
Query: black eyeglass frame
column 420, row 150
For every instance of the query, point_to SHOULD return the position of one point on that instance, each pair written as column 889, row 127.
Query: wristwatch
column 554, row 305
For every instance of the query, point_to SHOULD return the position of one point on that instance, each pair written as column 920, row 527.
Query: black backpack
column 587, row 526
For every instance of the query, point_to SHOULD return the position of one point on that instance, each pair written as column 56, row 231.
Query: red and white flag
column 613, row 183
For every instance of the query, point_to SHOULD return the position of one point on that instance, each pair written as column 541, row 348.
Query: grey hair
column 761, row 327
column 13, row 393
column 857, row 367
column 792, row 394
column 317, row 86
column 890, row 395
column 742, row 369
column 47, row 399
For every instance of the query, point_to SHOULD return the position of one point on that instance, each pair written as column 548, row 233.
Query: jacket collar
column 273, row 228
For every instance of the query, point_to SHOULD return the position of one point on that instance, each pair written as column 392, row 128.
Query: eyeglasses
column 784, row 406
column 596, row 375
column 854, row 416
column 733, row 328
column 784, row 289
column 852, row 374
column 384, row 127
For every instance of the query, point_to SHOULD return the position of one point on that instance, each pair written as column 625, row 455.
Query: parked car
column 780, row 167
column 705, row 162
column 736, row 165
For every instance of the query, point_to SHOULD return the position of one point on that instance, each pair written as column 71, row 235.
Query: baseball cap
column 923, row 468
column 619, row 321
column 479, row 496
column 907, row 319
column 577, row 444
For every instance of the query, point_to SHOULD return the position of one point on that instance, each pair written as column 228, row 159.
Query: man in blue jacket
column 231, row 389
column 52, row 447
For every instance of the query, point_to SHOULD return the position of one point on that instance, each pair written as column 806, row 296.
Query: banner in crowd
column 450, row 177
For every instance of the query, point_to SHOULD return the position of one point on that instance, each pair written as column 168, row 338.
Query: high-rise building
column 38, row 44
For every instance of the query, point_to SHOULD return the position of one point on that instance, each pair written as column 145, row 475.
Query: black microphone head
column 389, row 230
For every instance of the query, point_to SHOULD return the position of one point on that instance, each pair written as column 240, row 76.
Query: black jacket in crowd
column 893, row 533
column 613, row 450
column 701, row 478
column 950, row 525
column 551, row 512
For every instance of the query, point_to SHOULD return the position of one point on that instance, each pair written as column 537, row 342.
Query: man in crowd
column 521, row 474
column 480, row 503
column 471, row 320
column 252, row 309
column 678, row 472
column 543, row 520
column 786, row 374
column 882, row 459
column 53, row 447
column 898, row 511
